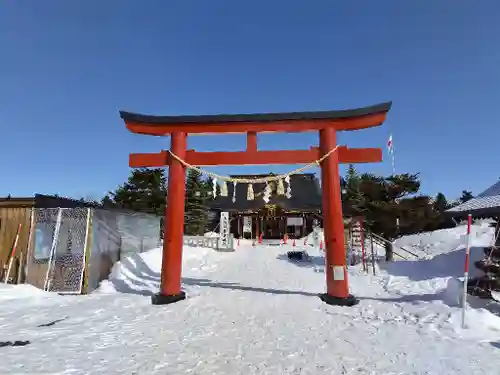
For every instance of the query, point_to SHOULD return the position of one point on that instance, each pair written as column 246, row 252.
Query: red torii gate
column 327, row 123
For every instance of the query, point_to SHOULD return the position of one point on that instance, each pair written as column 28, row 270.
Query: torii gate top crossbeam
column 343, row 120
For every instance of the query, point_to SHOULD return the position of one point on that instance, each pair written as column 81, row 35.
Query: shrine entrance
column 328, row 156
column 273, row 221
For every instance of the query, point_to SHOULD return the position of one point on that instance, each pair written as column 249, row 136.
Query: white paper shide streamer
column 288, row 187
column 250, row 194
column 214, row 187
column 234, row 191
column 266, row 194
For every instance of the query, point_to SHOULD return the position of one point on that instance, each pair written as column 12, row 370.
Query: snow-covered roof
column 486, row 203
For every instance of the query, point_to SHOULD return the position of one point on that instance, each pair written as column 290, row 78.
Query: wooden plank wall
column 10, row 218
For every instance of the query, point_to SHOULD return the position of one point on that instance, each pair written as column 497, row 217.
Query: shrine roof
column 255, row 117
column 485, row 204
column 306, row 195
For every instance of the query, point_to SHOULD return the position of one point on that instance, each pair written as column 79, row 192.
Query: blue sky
column 67, row 67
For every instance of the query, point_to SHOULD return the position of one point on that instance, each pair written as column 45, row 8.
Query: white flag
column 390, row 147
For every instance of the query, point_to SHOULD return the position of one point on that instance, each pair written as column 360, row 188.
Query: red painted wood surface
column 333, row 224
column 346, row 156
column 252, row 142
column 290, row 126
column 174, row 220
column 332, row 208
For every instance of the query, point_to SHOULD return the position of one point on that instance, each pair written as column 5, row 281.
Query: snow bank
column 13, row 292
column 253, row 311
column 140, row 273
column 447, row 240
column 438, row 279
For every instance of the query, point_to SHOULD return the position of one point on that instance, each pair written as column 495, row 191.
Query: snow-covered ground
column 255, row 312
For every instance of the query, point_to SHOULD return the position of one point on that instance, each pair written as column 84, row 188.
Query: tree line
column 146, row 191
column 391, row 206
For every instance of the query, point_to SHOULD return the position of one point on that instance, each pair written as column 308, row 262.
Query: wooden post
column 304, row 230
column 373, row 254
column 362, row 239
column 171, row 268
column 336, row 272
column 257, row 226
column 20, row 269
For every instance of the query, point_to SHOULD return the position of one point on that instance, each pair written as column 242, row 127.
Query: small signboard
column 210, row 242
column 224, row 231
column 200, row 241
column 247, row 224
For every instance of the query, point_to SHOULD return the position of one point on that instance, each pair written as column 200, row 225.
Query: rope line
column 254, row 180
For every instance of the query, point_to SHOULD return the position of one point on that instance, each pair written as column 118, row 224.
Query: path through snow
column 248, row 312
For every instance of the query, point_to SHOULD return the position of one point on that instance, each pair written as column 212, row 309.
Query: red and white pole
column 362, row 239
column 13, row 252
column 466, row 270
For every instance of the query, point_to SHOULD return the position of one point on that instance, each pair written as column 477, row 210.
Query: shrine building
column 293, row 215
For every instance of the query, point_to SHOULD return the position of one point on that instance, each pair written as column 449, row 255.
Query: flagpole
column 390, row 150
column 393, row 162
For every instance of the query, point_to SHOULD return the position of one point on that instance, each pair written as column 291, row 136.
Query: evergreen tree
column 391, row 206
column 196, row 209
column 352, row 197
column 466, row 196
column 440, row 203
column 441, row 221
column 144, row 191
column 387, row 201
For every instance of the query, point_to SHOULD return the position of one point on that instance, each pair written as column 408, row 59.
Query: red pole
column 171, row 268
column 13, row 252
column 362, row 239
column 466, row 269
column 336, row 272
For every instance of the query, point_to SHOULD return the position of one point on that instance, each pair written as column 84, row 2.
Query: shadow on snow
column 317, row 262
column 144, row 281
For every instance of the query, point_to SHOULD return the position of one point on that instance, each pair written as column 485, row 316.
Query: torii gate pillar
column 327, row 123
column 171, row 265
column 333, row 225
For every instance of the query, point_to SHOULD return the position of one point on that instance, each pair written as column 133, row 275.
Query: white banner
column 247, row 224
column 224, row 230
column 201, row 241
column 294, row 221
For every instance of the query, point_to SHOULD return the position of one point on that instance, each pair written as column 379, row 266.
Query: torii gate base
column 327, row 123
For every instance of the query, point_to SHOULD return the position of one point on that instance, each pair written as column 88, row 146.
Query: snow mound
column 438, row 279
column 254, row 311
column 140, row 273
column 480, row 324
column 22, row 291
column 448, row 240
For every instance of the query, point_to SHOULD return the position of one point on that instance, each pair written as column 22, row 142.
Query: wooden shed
column 15, row 214
column 20, row 211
